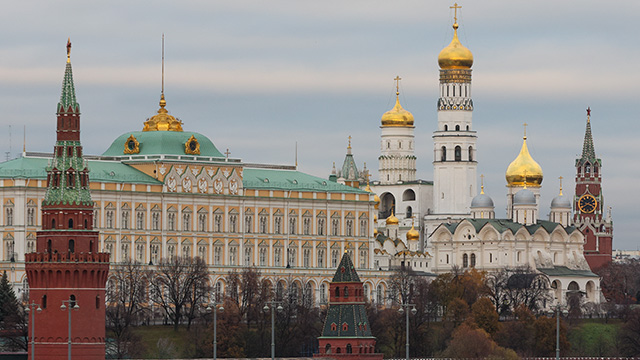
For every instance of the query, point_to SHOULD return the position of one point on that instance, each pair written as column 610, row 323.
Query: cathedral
column 434, row 226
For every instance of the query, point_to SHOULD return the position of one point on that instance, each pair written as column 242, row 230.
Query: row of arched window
column 457, row 153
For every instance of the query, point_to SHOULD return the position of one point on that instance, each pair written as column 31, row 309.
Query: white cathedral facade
column 434, row 226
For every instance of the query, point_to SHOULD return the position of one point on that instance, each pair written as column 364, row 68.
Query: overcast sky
column 257, row 76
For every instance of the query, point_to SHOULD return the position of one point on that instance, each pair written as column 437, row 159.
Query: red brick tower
column 347, row 332
column 589, row 215
column 67, row 264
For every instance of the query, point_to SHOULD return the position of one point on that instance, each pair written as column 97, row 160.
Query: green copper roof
column 349, row 169
column 565, row 271
column 100, row 171
column 502, row 225
column 588, row 150
column 346, row 272
column 163, row 143
column 68, row 167
column 271, row 179
column 68, row 95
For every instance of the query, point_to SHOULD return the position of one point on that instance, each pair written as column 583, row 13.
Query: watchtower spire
column 588, row 150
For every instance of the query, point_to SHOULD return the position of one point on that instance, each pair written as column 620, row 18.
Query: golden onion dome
column 455, row 55
column 413, row 234
column 162, row 121
column 524, row 171
column 392, row 220
column 397, row 116
column 375, row 232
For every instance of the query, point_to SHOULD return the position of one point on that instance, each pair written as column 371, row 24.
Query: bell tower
column 67, row 268
column 589, row 210
column 454, row 163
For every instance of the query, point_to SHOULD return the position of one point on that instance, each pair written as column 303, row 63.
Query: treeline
column 470, row 313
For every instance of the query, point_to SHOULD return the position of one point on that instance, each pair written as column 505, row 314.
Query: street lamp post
column 272, row 304
column 72, row 305
column 413, row 312
column 33, row 308
column 215, row 310
column 557, row 309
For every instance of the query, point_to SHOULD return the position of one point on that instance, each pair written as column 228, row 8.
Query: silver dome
column 482, row 201
column 524, row 197
column 561, row 202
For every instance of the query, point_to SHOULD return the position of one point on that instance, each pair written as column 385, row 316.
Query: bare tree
column 179, row 286
column 511, row 287
column 126, row 305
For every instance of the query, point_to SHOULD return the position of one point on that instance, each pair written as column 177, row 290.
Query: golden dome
column 397, row 116
column 392, row 220
column 524, row 168
column 413, row 234
column 163, row 121
column 455, row 55
column 375, row 232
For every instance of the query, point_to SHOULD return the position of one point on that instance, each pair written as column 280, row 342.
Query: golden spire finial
column 349, row 147
column 481, row 183
column 455, row 8
column 589, row 114
column 68, row 50
column 397, row 79
column 525, row 130
column 560, row 185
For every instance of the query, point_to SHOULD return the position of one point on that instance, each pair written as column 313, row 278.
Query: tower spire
column 588, row 150
column 68, row 103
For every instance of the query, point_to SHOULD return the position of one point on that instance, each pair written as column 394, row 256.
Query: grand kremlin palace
column 163, row 192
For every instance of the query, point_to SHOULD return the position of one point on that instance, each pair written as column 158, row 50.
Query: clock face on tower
column 587, row 204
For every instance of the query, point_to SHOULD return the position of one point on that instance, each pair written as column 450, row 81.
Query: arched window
column 349, row 349
column 467, row 127
column 72, row 246
column 409, row 212
column 470, row 153
column 408, row 195
column 587, row 168
column 49, row 246
column 458, row 153
column 337, row 292
column 346, row 292
column 70, row 223
column 444, row 154
column 465, row 260
column 327, row 349
column 44, row 301
column 53, row 223
column 457, row 127
column 446, row 127
column 473, row 260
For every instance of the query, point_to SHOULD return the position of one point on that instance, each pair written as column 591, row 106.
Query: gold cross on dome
column 560, row 184
column 481, row 183
column 349, row 141
column 525, row 129
column 397, row 79
column 455, row 8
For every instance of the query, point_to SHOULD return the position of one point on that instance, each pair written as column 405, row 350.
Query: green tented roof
column 100, row 171
column 346, row 272
column 163, row 143
column 271, row 179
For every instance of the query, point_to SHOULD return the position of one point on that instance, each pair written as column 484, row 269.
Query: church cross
column 349, row 141
column 455, row 8
column 560, row 184
column 525, row 129
column 227, row 153
column 397, row 79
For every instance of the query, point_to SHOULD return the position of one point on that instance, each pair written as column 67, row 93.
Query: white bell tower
column 454, row 163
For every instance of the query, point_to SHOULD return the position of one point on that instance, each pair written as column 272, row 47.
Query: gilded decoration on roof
column 192, row 146
column 162, row 121
column 131, row 146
